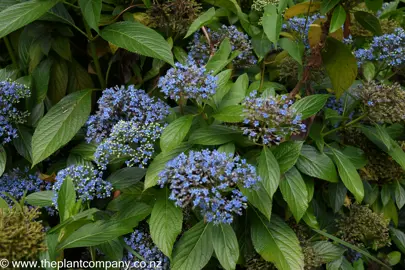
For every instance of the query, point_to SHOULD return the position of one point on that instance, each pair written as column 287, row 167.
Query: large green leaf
column 294, row 49
column 194, row 249
column 340, row 64
column 287, row 154
column 368, row 21
column 374, row 5
column 398, row 237
column 137, row 38
column 165, row 223
column 41, row 198
column 66, row 199
column 17, row 16
column 131, row 216
column 295, row 193
column 276, row 242
column 126, row 177
column 230, row 114
column 399, row 195
column 213, row 135
column 310, row 105
column 58, row 80
column 91, row 10
column 338, row 19
column 337, row 195
column 349, row 175
column 237, row 92
column 272, row 22
column 41, row 76
column 225, row 245
column 269, row 171
column 159, row 163
column 327, row 251
column 316, row 164
column 175, row 132
column 259, row 198
column 3, row 159
column 94, row 234
column 60, row 124
column 327, row 5
column 201, row 21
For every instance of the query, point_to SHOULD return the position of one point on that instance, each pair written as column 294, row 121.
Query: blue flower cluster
column 20, row 181
column 10, row 94
column 388, row 49
column 208, row 180
column 87, row 182
column 338, row 106
column 121, row 103
column 141, row 242
column 200, row 50
column 188, row 81
column 270, row 120
column 130, row 141
column 297, row 24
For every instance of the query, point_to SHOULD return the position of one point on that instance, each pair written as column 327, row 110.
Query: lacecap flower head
column 124, row 103
column 189, row 81
column 10, row 94
column 383, row 103
column 208, row 181
column 87, row 182
column 141, row 242
column 130, row 141
column 200, row 50
column 270, row 120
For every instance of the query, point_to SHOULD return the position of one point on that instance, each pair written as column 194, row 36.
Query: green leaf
column 3, row 204
column 3, row 159
column 287, row 154
column 259, row 198
column 223, row 87
column 316, row 164
column 201, row 21
column 337, row 194
column 237, row 92
column 310, row 105
column 348, row 174
column 159, row 163
column 272, row 22
column 368, row 21
column 295, row 193
column 175, row 132
column 17, row 16
column 213, row 135
column 137, row 38
column 194, row 249
column 61, row 45
column 66, row 199
column 327, row 5
column 180, row 54
column 228, row 148
column 94, row 234
column 165, row 223
column 230, row 114
column 221, row 57
column 356, row 156
column 60, row 124
column 398, row 237
column 276, row 242
column 41, row 76
column 294, row 49
column 327, row 251
column 58, row 81
column 368, row 71
column 340, row 64
column 394, row 257
column 76, row 218
column 131, row 216
column 41, row 198
column 399, row 195
column 126, row 177
column 374, row 5
column 385, row 194
column 91, row 10
column 225, row 245
column 261, row 44
column 269, row 171
column 338, row 19
column 85, row 150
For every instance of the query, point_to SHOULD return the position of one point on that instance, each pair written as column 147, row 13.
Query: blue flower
column 131, row 141
column 141, row 242
column 121, row 103
column 10, row 94
column 87, row 182
column 239, row 41
column 208, row 181
column 273, row 119
column 300, row 25
column 188, row 81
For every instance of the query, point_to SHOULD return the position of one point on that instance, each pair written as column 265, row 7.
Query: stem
column 262, row 76
column 207, row 36
column 342, row 127
column 10, row 51
column 95, row 58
